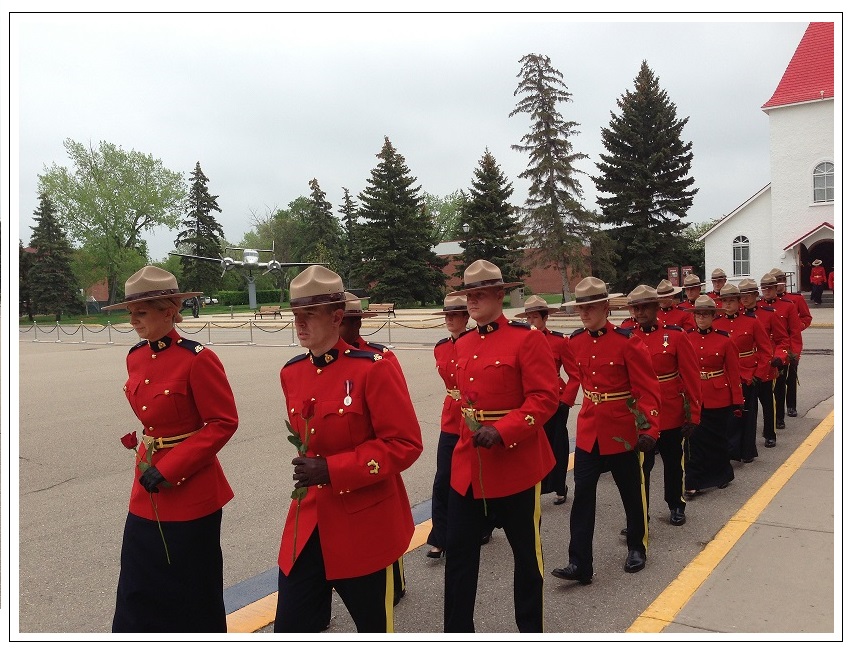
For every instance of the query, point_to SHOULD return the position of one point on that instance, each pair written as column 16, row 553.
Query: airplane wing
column 215, row 260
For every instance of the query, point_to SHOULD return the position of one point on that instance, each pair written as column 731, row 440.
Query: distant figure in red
column 831, row 280
column 818, row 280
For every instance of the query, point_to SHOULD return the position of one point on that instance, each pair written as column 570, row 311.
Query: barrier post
column 251, row 331
column 82, row 332
column 232, row 312
column 209, row 341
column 58, row 333
column 35, row 328
column 109, row 332
column 293, row 333
column 389, row 330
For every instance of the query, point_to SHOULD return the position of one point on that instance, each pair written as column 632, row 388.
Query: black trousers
column 707, row 461
column 780, row 392
column 304, row 596
column 816, row 293
column 766, row 398
column 670, row 445
column 556, row 429
column 441, row 489
column 742, row 431
column 627, row 473
column 182, row 596
column 791, row 383
column 520, row 517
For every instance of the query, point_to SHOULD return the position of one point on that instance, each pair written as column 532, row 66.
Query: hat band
column 591, row 297
column 332, row 297
column 149, row 294
column 666, row 293
column 479, row 284
column 455, row 308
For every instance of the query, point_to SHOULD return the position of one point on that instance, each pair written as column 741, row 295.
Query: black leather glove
column 777, row 363
column 486, row 437
column 150, row 478
column 309, row 471
column 687, row 429
column 646, row 443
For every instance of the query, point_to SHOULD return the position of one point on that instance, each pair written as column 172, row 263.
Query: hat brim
column 465, row 291
column 526, row 312
column 675, row 290
column 179, row 295
column 714, row 309
column 452, row 312
column 816, row 263
column 365, row 313
column 641, row 302
column 585, row 303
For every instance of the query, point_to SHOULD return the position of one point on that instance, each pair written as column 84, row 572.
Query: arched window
column 741, row 256
column 824, row 182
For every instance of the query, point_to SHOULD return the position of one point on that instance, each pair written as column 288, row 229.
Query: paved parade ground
column 753, row 559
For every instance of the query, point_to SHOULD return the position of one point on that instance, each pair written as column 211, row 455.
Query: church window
column 741, row 256
column 824, row 183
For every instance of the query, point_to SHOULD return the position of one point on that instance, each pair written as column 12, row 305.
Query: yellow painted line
column 662, row 612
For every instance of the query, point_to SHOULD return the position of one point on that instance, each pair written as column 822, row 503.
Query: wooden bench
column 268, row 310
column 386, row 308
column 617, row 303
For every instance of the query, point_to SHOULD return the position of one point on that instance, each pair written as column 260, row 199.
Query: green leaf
column 290, row 428
column 298, row 443
column 299, row 493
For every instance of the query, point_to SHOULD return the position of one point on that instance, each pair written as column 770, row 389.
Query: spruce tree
column 644, row 182
column 351, row 253
column 321, row 233
column 399, row 264
column 52, row 285
column 555, row 220
column 202, row 235
column 493, row 232
column 25, row 261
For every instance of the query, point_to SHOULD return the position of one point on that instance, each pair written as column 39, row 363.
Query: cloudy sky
column 266, row 102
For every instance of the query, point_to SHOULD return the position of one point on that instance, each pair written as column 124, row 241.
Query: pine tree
column 25, row 261
column 52, row 285
column 351, row 253
column 398, row 263
column 493, row 233
column 644, row 182
column 322, row 234
column 202, row 235
column 555, row 221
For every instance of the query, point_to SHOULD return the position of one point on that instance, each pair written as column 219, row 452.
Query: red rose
column 308, row 410
column 129, row 440
column 471, row 397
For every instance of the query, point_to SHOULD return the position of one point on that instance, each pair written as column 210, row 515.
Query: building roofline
column 736, row 210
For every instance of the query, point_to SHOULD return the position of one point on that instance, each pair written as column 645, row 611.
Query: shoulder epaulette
column 558, row 334
column 378, row 347
column 784, row 299
column 442, row 341
column 365, row 355
column 673, row 327
column 721, row 332
column 577, row 332
column 769, row 308
column 296, row 359
column 623, row 331
column 465, row 332
column 137, row 345
column 521, row 324
column 190, row 345
column 745, row 314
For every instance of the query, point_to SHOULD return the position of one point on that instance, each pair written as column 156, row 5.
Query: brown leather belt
column 603, row 397
column 706, row 375
column 484, row 415
column 455, row 394
column 670, row 376
column 170, row 442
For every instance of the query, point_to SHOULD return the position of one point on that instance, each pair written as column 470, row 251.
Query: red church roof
column 810, row 73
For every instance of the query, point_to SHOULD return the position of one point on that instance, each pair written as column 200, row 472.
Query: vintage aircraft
column 246, row 266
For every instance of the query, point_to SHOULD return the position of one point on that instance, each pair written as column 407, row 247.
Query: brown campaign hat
column 778, row 274
column 817, row 262
column 150, row 283
column 590, row 290
column 729, row 290
column 353, row 306
column 691, row 281
column 748, row 285
column 482, row 274
column 718, row 273
column 453, row 305
column 536, row 304
column 768, row 280
column 702, row 304
column 316, row 286
column 666, row 290
column 643, row 294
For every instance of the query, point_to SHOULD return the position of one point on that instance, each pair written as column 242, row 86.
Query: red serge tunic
column 556, row 340
column 505, row 366
column 175, row 386
column 719, row 367
column 445, row 363
column 754, row 348
column 676, row 367
column 675, row 316
column 365, row 426
column 798, row 300
column 362, row 344
column 611, row 361
column 790, row 317
column 779, row 339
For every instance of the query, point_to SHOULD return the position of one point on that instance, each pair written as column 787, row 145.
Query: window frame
column 741, row 256
column 823, row 171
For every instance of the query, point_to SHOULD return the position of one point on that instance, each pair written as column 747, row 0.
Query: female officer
column 171, row 560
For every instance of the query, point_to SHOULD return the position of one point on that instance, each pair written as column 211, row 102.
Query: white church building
column 789, row 222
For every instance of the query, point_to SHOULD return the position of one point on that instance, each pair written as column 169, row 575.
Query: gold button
column 150, row 428
column 475, row 357
column 319, row 371
column 166, row 392
column 180, row 340
column 482, row 337
column 153, row 355
column 144, row 407
column 346, row 351
column 498, row 362
column 147, row 381
column 340, row 411
column 292, row 410
column 471, row 379
column 313, row 430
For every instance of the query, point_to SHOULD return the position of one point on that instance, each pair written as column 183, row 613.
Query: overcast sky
column 267, row 102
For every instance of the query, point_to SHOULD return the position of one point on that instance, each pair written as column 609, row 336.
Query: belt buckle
column 595, row 397
column 705, row 375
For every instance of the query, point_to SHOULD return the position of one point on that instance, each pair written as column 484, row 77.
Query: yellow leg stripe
column 644, row 499
column 389, row 598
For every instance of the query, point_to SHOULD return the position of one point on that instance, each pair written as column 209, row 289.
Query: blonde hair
column 164, row 303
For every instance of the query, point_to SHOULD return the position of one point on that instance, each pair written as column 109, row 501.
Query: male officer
column 668, row 312
column 508, row 391
column 676, row 367
column 617, row 425
column 692, row 288
column 357, row 431
column 806, row 319
column 718, row 278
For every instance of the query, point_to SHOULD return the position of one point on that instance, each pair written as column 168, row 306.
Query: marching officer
column 780, row 346
column 790, row 316
column 508, row 391
column 718, row 278
column 817, row 281
column 806, row 318
column 692, row 288
column 668, row 312
column 617, row 425
column 755, row 355
column 536, row 312
column 708, row 463
column 676, row 367
column 356, row 431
